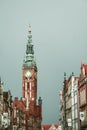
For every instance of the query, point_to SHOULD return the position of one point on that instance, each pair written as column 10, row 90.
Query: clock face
column 28, row 74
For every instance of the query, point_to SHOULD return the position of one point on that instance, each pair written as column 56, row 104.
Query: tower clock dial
column 28, row 74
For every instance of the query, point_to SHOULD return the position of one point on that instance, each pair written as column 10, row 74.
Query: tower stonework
column 27, row 112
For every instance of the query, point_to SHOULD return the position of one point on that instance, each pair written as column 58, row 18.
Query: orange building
column 27, row 114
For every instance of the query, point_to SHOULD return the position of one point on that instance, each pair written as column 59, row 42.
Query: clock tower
column 28, row 110
column 29, row 74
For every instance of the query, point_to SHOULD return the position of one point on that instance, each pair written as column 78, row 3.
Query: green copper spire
column 29, row 58
column 29, row 49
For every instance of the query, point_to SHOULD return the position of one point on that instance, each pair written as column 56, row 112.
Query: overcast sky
column 59, row 31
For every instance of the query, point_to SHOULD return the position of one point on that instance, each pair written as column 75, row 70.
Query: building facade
column 75, row 103
column 5, row 108
column 71, row 104
column 83, row 97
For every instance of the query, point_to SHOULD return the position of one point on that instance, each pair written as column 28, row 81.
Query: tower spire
column 29, row 48
column 29, row 35
column 29, row 58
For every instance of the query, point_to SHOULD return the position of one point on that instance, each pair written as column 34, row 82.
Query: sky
column 59, row 34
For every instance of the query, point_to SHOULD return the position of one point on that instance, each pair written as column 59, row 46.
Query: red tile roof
column 47, row 126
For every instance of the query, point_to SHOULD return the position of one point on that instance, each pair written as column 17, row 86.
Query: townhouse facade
column 83, row 97
column 5, row 108
column 70, row 103
column 75, row 103
column 74, row 106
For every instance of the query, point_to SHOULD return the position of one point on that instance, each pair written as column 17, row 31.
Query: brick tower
column 29, row 75
column 27, row 113
column 29, row 86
